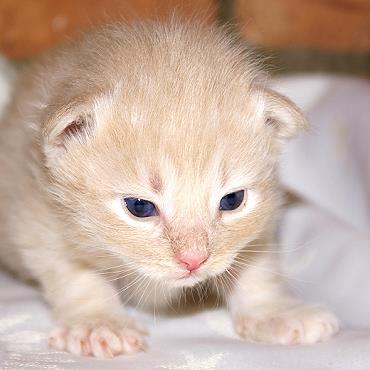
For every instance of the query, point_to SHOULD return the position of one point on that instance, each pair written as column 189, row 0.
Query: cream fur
column 175, row 113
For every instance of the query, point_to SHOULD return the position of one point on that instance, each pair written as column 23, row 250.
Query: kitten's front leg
column 262, row 311
column 90, row 315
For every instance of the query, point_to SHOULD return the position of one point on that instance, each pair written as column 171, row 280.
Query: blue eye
column 140, row 207
column 232, row 201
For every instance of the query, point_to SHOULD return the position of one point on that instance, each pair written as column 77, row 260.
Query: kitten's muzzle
column 190, row 248
column 191, row 260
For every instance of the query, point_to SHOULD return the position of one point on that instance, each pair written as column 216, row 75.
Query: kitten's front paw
column 297, row 325
column 99, row 341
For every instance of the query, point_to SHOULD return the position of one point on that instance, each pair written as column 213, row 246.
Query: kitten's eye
column 232, row 201
column 140, row 207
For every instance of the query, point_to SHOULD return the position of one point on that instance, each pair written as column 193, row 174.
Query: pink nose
column 192, row 261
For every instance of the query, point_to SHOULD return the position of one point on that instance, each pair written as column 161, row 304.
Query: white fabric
column 7, row 75
column 330, row 168
column 325, row 254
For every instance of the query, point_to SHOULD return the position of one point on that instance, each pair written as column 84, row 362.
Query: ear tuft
column 64, row 128
column 78, row 128
column 282, row 114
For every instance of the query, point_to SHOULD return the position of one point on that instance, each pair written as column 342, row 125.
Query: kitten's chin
column 186, row 282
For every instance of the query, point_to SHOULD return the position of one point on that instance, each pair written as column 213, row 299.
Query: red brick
column 29, row 27
column 342, row 25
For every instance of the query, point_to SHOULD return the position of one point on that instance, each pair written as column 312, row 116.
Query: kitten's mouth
column 185, row 276
column 188, row 279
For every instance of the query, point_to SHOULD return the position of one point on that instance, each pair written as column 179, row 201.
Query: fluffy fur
column 169, row 112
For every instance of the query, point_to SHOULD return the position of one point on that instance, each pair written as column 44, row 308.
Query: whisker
column 274, row 272
column 139, row 283
column 143, row 294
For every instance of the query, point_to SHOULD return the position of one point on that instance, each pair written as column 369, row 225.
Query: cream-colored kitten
column 147, row 155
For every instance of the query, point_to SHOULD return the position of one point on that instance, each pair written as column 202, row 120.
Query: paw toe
column 105, row 343
column 78, row 341
column 132, row 341
column 57, row 338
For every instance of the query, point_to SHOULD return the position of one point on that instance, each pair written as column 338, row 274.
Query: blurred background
column 295, row 35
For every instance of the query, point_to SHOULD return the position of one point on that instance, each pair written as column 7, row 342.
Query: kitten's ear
column 67, row 126
column 281, row 114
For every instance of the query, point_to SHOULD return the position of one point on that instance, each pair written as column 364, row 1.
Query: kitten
column 147, row 154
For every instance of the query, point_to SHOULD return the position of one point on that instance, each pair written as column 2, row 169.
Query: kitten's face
column 159, row 188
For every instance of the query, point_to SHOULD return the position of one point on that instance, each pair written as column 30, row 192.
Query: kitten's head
column 163, row 149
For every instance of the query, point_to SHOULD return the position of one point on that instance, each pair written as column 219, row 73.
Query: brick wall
column 340, row 25
column 28, row 27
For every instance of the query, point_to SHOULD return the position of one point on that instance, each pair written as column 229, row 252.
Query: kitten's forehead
column 183, row 141
column 171, row 175
column 188, row 113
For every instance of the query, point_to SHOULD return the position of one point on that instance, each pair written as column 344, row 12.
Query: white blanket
column 325, row 255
